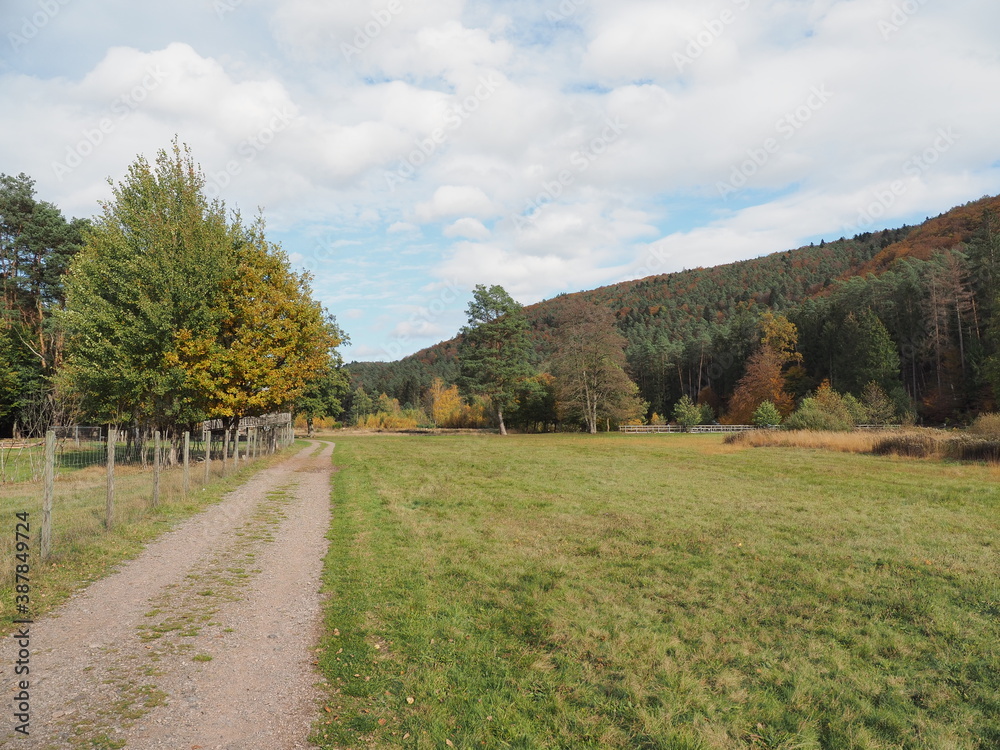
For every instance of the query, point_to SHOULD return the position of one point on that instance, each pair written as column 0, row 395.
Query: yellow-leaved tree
column 272, row 339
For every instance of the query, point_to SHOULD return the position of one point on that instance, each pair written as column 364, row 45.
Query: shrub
column 911, row 446
column 967, row 448
column 827, row 410
column 986, row 425
column 767, row 415
column 812, row 416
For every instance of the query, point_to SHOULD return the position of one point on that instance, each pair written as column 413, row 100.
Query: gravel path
column 205, row 640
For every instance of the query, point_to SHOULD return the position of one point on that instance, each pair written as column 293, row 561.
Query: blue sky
column 405, row 151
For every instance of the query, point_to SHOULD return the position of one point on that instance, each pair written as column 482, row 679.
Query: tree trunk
column 503, row 430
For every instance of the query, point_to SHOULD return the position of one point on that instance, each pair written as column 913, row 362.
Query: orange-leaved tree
column 764, row 379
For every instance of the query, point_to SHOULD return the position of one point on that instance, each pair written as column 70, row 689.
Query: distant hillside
column 955, row 227
column 702, row 319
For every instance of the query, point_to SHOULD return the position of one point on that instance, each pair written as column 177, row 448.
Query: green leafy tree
column 536, row 404
column 494, row 350
column 687, row 413
column 361, row 406
column 149, row 278
column 324, row 396
column 10, row 378
column 767, row 415
column 867, row 353
column 879, row 407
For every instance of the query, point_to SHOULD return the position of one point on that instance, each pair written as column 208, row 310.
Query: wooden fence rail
column 695, row 428
column 647, row 428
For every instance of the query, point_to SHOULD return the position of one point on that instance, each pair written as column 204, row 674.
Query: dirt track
column 205, row 640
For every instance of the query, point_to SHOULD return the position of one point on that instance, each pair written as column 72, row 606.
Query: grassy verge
column 657, row 592
column 83, row 550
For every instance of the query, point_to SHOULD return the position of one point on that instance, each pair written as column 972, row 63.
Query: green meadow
column 661, row 591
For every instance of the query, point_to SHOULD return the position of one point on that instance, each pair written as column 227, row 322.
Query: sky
column 403, row 152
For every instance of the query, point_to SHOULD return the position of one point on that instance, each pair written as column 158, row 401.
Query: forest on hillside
column 914, row 310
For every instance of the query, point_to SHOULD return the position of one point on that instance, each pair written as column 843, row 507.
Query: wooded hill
column 914, row 309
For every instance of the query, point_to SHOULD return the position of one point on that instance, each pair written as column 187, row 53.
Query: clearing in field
column 569, row 591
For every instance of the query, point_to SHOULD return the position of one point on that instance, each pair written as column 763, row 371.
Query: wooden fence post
column 49, row 475
column 109, row 512
column 156, row 468
column 187, row 462
column 206, row 436
column 225, row 450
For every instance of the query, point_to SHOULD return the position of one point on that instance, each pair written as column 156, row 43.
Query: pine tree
column 494, row 349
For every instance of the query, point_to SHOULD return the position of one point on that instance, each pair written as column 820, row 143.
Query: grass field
column 663, row 591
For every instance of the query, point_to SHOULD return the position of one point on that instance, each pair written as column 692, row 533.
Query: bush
column 911, row 446
column 973, row 449
column 767, row 415
column 827, row 410
column 986, row 425
column 812, row 416
column 408, row 419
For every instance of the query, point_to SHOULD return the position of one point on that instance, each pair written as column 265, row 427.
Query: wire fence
column 78, row 448
column 77, row 479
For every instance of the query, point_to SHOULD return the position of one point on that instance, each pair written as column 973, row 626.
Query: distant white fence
column 646, row 428
column 695, row 428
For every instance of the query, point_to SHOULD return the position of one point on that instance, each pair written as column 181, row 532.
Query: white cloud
column 529, row 188
column 472, row 229
column 456, row 200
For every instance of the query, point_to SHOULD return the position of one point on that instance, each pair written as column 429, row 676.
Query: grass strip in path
column 84, row 550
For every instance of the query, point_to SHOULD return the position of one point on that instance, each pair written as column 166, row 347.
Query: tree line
column 164, row 310
column 902, row 322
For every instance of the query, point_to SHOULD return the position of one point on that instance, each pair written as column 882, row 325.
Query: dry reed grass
column 845, row 442
column 911, row 443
